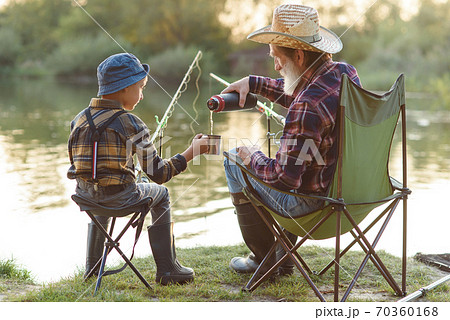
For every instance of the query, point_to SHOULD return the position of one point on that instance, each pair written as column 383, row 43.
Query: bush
column 439, row 88
column 171, row 65
column 81, row 56
column 10, row 48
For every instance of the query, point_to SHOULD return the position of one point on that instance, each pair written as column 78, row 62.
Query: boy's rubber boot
column 168, row 269
column 94, row 248
column 258, row 238
column 287, row 268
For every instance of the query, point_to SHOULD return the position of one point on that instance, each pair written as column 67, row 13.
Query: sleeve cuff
column 252, row 83
column 179, row 162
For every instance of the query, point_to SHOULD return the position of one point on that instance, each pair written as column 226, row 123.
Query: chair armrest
column 397, row 185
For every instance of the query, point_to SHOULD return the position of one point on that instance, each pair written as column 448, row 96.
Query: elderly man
column 306, row 159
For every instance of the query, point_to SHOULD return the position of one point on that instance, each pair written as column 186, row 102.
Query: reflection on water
column 44, row 231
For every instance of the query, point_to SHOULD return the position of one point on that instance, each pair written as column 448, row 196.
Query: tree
column 34, row 21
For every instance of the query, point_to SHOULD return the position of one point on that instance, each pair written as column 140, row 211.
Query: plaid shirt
column 124, row 137
column 310, row 128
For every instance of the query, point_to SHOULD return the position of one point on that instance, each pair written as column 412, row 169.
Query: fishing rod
column 261, row 106
column 163, row 122
column 140, row 175
column 423, row 291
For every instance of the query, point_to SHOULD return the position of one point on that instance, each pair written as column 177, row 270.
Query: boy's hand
column 198, row 146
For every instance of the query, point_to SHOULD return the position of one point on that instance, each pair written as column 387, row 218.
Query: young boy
column 121, row 80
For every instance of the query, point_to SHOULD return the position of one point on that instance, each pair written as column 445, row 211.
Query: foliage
column 81, row 56
column 381, row 51
column 172, row 64
column 46, row 30
column 10, row 48
column 39, row 36
column 34, row 23
column 10, row 270
column 439, row 87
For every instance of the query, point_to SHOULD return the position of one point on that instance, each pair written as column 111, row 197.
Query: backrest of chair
column 367, row 127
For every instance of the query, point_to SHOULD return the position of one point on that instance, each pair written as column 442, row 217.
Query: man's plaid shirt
column 310, row 124
column 124, row 137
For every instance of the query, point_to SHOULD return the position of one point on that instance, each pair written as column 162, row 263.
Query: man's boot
column 168, row 269
column 95, row 245
column 287, row 268
column 257, row 237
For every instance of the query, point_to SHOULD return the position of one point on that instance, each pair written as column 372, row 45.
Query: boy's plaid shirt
column 310, row 124
column 125, row 136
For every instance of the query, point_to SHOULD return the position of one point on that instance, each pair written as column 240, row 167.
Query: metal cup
column 214, row 144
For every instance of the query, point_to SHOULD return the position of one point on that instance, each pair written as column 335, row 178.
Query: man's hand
column 245, row 153
column 240, row 86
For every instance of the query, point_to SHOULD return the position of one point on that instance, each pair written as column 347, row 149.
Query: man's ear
column 299, row 56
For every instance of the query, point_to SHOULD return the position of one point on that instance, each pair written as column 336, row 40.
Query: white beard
column 291, row 75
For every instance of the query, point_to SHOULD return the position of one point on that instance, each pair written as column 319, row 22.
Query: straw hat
column 296, row 26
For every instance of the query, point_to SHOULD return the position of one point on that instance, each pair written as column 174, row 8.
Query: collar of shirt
column 105, row 103
column 309, row 74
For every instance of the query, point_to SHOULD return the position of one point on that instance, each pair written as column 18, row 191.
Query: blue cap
column 118, row 72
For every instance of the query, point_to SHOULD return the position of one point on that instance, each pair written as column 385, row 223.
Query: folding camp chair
column 366, row 125
column 139, row 211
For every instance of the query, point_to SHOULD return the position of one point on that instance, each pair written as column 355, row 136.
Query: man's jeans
column 287, row 205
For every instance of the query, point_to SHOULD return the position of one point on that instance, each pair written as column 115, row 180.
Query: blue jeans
column 287, row 205
column 160, row 207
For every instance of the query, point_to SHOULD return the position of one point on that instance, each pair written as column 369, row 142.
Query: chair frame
column 340, row 210
column 111, row 243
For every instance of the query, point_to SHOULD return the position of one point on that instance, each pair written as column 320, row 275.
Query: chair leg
column 337, row 255
column 282, row 239
column 370, row 253
column 404, row 257
column 102, row 269
column 256, row 279
column 110, row 243
column 99, row 261
column 343, row 252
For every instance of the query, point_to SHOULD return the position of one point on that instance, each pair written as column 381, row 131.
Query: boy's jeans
column 160, row 207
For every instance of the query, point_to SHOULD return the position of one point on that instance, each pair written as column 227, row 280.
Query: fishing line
column 197, row 65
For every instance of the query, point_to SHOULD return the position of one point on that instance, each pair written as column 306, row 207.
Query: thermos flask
column 230, row 102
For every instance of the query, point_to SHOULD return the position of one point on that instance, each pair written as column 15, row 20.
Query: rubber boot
column 168, row 268
column 287, row 268
column 257, row 237
column 94, row 248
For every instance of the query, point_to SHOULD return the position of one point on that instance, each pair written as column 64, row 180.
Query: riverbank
column 216, row 282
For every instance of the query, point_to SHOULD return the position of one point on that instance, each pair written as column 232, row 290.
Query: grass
column 216, row 282
column 14, row 280
column 10, row 270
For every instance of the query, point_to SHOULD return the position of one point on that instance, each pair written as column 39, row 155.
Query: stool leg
column 102, row 269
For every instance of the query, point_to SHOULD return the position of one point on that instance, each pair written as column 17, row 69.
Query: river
column 44, row 231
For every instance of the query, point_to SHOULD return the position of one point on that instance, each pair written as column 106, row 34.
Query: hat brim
column 329, row 42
